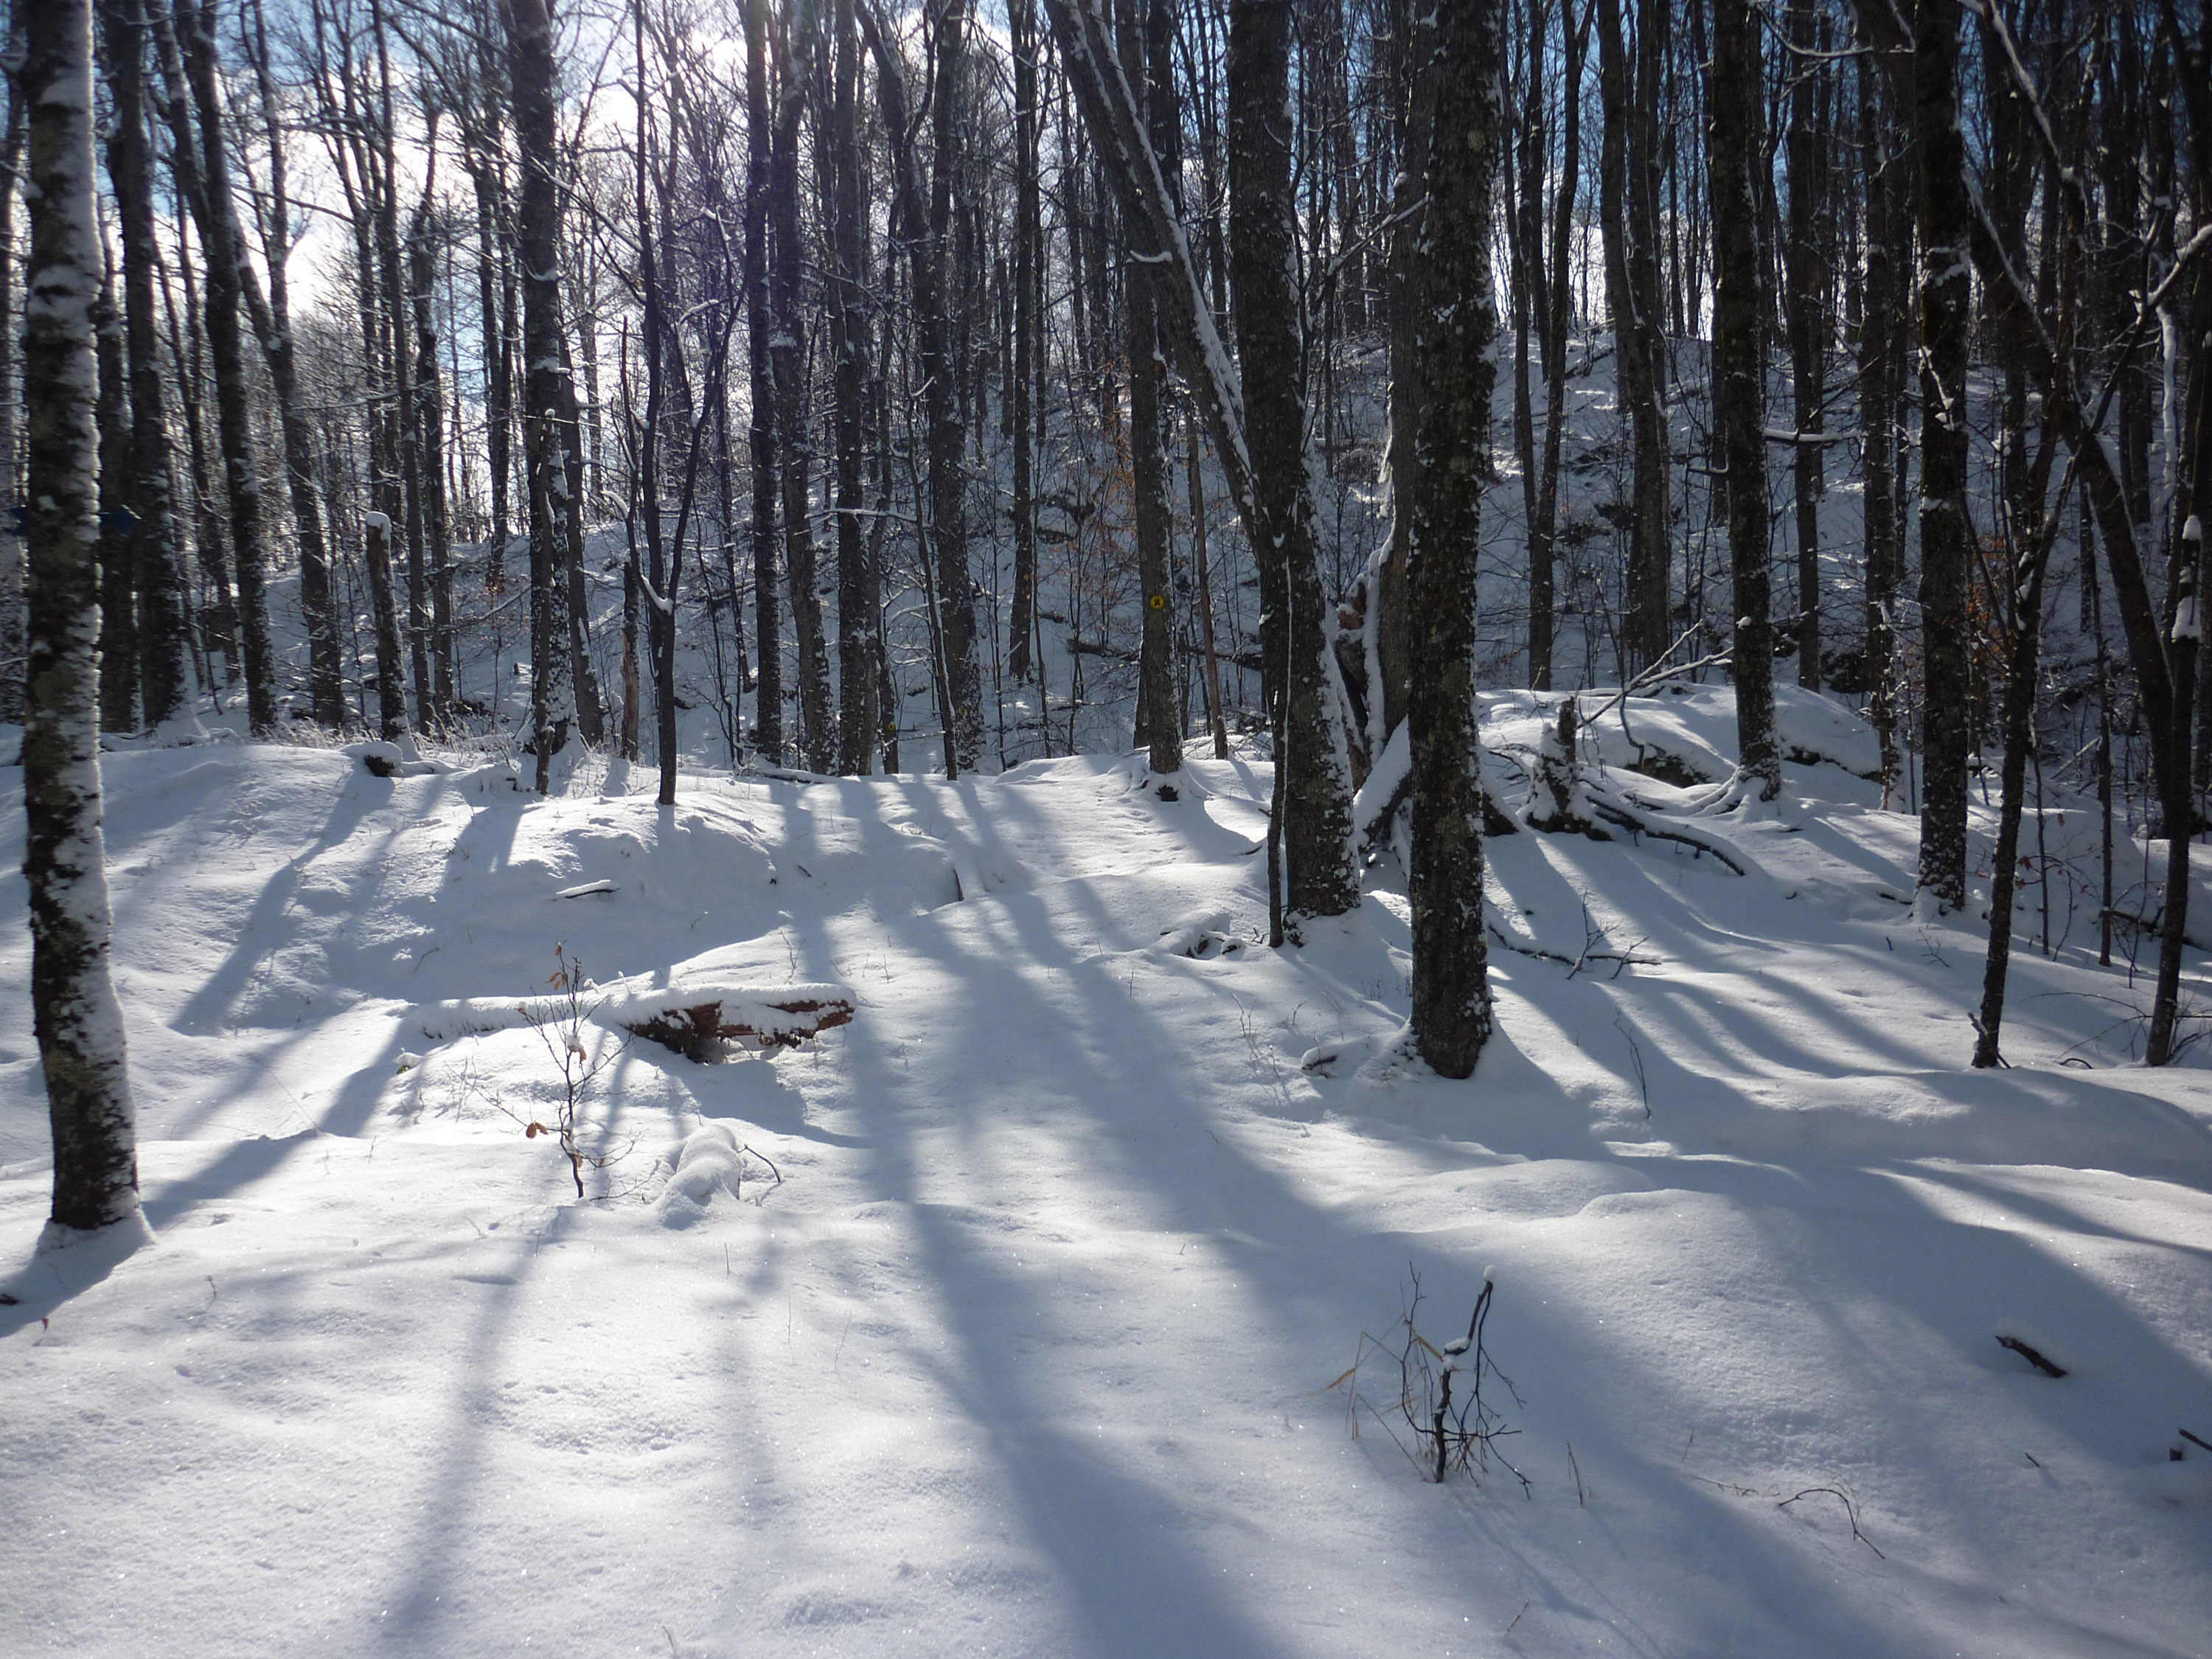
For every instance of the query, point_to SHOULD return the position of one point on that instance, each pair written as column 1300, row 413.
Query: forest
column 883, row 339
column 1369, row 502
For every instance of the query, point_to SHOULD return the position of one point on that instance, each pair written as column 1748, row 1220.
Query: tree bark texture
column 1945, row 533
column 546, row 440
column 1452, row 280
column 1320, row 876
column 1739, row 312
column 78, row 1023
column 221, row 247
column 1146, row 33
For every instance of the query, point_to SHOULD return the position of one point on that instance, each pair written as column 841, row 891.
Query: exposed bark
column 547, row 438
column 1203, row 561
column 1452, row 282
column 1388, row 618
column 1882, row 311
column 649, row 585
column 273, row 323
column 1029, row 241
column 1632, row 297
column 407, row 447
column 860, row 627
column 1945, row 533
column 1145, row 33
column 817, row 715
column 79, row 1025
column 1315, row 770
column 948, row 480
column 1543, row 523
column 1806, row 277
column 430, row 427
column 12, row 668
column 118, row 599
column 482, row 156
column 216, row 211
column 383, row 612
column 761, row 431
column 1739, row 311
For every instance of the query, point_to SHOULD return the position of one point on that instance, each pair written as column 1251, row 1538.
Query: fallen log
column 696, row 1013
column 696, row 1021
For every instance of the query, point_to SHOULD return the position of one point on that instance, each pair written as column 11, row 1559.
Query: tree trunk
column 1028, row 239
column 859, row 628
column 1543, row 527
column 1739, row 311
column 1146, row 33
column 1622, row 210
column 430, row 426
column 948, row 481
column 818, row 717
column 1312, row 761
column 12, row 662
column 1881, row 318
column 1453, row 285
column 78, row 1022
column 1807, row 276
column 530, row 75
column 392, row 293
column 220, row 246
column 769, row 706
column 1945, row 533
column 118, row 596
column 273, row 323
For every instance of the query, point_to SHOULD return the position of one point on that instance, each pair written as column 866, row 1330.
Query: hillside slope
column 1031, row 1349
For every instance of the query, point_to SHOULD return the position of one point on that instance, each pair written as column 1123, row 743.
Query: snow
column 1003, row 1319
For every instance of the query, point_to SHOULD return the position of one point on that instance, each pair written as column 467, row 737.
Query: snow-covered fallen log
column 693, row 1013
column 695, row 1017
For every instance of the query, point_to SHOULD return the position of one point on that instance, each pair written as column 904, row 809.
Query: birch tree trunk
column 74, row 1010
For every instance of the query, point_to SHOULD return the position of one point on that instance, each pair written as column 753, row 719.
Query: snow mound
column 709, row 1161
column 1686, row 734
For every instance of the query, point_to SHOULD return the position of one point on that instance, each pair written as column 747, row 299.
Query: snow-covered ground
column 1031, row 1349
